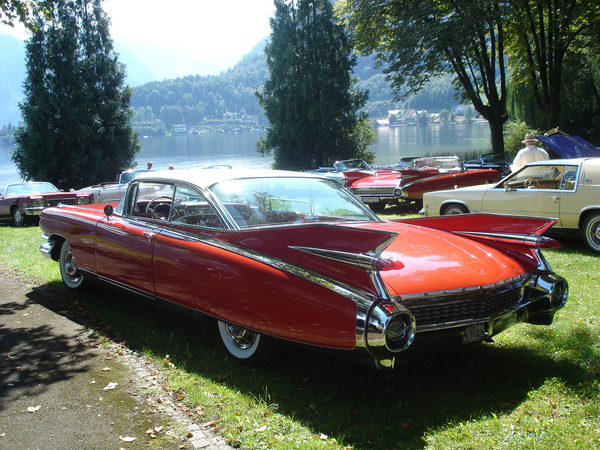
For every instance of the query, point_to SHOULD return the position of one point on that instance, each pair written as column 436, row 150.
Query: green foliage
column 541, row 67
column 26, row 12
column 514, row 133
column 580, row 99
column 420, row 41
column 310, row 98
column 76, row 111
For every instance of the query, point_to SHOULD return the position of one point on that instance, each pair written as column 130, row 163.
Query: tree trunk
column 497, row 131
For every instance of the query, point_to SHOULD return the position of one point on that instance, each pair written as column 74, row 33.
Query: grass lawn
column 534, row 387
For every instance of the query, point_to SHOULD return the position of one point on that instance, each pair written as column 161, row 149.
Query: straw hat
column 529, row 138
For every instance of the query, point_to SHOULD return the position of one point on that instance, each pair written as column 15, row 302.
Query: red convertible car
column 285, row 255
column 424, row 175
column 22, row 201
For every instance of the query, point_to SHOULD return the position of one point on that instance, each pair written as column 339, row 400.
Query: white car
column 565, row 189
column 112, row 191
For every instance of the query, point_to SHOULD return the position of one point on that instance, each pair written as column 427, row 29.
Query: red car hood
column 393, row 178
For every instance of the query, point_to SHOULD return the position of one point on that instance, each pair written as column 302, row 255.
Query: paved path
column 61, row 388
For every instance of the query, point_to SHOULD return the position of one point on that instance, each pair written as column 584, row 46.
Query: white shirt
column 528, row 154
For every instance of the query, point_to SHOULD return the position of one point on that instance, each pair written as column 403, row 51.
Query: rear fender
column 322, row 248
column 485, row 223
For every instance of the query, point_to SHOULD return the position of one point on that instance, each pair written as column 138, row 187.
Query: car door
column 533, row 191
column 125, row 243
column 187, row 266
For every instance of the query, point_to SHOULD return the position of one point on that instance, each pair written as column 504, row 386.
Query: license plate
column 370, row 199
column 474, row 333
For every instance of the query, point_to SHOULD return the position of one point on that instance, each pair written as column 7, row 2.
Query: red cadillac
column 24, row 201
column 434, row 173
column 289, row 256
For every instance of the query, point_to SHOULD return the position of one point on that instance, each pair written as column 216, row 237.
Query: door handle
column 148, row 235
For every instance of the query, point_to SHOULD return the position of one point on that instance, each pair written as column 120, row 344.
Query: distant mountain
column 148, row 69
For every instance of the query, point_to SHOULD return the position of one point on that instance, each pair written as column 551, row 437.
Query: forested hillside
column 228, row 101
column 221, row 102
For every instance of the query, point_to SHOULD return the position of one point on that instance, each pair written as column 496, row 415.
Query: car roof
column 570, row 161
column 205, row 178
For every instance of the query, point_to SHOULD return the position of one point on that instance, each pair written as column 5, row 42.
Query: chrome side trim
column 125, row 287
column 529, row 240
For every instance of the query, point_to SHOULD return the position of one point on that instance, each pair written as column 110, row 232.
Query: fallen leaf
column 32, row 409
column 110, row 386
column 106, row 369
column 127, row 439
column 263, row 428
column 210, row 424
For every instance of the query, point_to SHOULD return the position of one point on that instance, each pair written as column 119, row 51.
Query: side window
column 538, row 177
column 149, row 200
column 190, row 207
column 569, row 177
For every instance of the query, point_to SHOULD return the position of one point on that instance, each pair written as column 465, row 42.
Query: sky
column 212, row 34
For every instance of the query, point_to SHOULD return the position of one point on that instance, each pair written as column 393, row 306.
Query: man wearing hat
column 530, row 153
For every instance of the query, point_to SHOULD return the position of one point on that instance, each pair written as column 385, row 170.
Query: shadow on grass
column 359, row 406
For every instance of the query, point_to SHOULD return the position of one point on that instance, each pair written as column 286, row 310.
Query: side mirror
column 507, row 187
column 108, row 210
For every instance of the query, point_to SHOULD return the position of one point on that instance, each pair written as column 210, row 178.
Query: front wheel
column 591, row 232
column 17, row 217
column 71, row 276
column 455, row 209
column 244, row 345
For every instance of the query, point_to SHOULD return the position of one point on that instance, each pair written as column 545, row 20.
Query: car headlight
column 83, row 200
column 399, row 192
column 37, row 202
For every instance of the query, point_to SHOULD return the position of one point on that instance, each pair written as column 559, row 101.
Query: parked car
column 294, row 256
column 346, row 171
column 424, row 174
column 112, row 191
column 497, row 161
column 567, row 190
column 564, row 146
column 24, row 201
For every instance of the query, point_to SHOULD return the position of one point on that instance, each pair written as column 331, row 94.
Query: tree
column 309, row 97
column 76, row 111
column 419, row 41
column 26, row 12
column 546, row 34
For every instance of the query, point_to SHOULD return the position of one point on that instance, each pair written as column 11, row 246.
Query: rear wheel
column 244, row 345
column 591, row 232
column 71, row 275
column 455, row 209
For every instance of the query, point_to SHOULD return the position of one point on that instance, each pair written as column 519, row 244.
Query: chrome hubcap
column 71, row 266
column 240, row 337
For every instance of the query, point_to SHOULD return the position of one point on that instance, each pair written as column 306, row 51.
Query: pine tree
column 76, row 109
column 309, row 98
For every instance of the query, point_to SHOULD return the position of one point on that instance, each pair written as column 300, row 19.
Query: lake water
column 239, row 150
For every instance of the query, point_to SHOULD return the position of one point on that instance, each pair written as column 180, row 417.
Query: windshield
column 30, row 188
column 275, row 201
column 351, row 164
